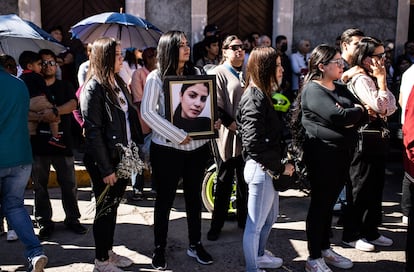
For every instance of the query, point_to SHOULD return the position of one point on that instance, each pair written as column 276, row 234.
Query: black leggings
column 224, row 187
column 106, row 210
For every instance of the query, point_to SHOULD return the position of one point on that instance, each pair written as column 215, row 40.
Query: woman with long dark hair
column 111, row 125
column 174, row 154
column 364, row 193
column 330, row 116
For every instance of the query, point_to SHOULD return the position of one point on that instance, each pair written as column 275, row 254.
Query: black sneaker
column 137, row 195
column 46, row 231
column 76, row 227
column 158, row 259
column 197, row 251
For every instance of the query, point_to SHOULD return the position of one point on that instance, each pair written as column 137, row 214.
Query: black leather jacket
column 105, row 126
column 260, row 129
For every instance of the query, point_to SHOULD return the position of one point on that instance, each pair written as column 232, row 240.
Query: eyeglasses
column 380, row 55
column 49, row 62
column 339, row 62
column 236, row 47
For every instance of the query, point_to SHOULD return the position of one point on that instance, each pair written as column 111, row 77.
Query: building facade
column 320, row 21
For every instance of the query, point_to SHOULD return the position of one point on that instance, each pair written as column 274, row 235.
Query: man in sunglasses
column 45, row 154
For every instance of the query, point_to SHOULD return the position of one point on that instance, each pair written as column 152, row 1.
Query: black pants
column 106, row 209
column 363, row 213
column 410, row 235
column 224, row 188
column 65, row 172
column 328, row 171
column 169, row 165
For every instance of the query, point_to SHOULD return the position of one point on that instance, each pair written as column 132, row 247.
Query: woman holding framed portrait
column 174, row 154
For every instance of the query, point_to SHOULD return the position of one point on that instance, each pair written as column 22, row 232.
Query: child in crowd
column 31, row 64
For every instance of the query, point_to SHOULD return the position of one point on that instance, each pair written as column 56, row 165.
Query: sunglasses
column 49, row 62
column 381, row 55
column 236, row 47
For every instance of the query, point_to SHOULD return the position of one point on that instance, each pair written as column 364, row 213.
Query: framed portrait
column 191, row 104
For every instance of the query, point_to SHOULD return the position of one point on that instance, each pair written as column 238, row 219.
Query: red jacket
column 408, row 135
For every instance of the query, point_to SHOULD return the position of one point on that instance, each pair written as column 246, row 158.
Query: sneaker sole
column 159, row 267
column 327, row 261
column 264, row 266
column 191, row 254
column 40, row 264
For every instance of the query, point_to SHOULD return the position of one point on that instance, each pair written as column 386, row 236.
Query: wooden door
column 241, row 17
column 66, row 13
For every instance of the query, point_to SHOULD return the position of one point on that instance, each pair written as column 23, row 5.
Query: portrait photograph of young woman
column 191, row 105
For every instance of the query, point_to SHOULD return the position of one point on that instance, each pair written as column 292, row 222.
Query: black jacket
column 260, row 129
column 105, row 126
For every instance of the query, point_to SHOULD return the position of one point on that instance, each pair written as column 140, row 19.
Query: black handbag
column 282, row 183
column 374, row 136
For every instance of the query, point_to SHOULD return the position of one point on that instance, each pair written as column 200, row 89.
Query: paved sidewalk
column 134, row 237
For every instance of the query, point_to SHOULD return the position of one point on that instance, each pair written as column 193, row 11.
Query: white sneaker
column 382, row 241
column 12, row 236
column 333, row 258
column 269, row 261
column 118, row 260
column 106, row 266
column 360, row 244
column 38, row 263
column 316, row 265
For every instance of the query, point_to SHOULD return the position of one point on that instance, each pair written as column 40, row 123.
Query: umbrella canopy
column 131, row 30
column 17, row 35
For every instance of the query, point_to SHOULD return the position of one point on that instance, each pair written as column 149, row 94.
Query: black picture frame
column 198, row 117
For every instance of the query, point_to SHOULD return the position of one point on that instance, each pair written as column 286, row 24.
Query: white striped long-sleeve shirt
column 153, row 113
column 381, row 101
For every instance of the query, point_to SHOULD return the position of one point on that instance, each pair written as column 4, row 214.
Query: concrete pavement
column 134, row 237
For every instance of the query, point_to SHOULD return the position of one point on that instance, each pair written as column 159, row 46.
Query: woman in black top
column 330, row 117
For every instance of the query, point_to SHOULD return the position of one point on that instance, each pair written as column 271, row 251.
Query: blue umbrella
column 17, row 35
column 131, row 30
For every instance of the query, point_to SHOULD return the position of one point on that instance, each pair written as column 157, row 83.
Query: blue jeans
column 13, row 183
column 262, row 208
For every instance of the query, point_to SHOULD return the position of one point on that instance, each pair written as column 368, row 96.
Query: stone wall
column 170, row 15
column 321, row 21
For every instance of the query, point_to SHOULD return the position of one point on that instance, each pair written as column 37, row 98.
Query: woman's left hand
column 111, row 179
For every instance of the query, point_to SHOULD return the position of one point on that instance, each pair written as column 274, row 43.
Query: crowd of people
column 120, row 103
